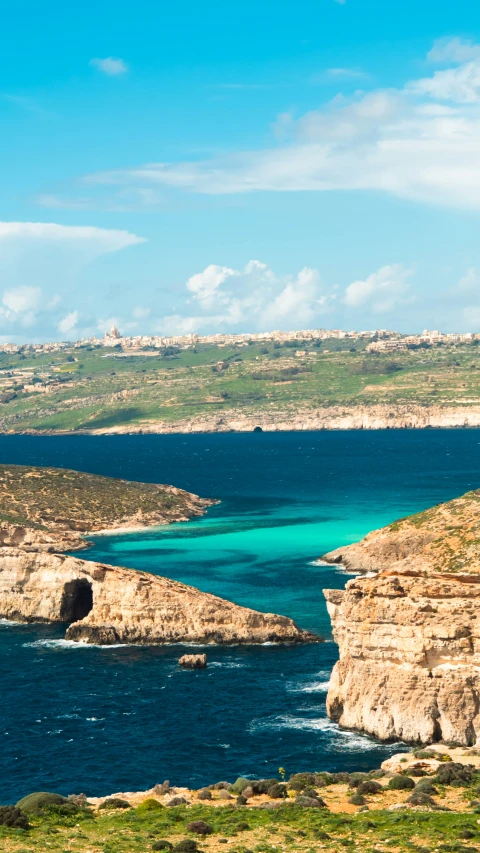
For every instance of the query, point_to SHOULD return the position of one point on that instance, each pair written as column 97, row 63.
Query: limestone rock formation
column 44, row 511
column 409, row 636
column 443, row 538
column 193, row 661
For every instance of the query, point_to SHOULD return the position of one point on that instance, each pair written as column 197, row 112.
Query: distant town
column 381, row 340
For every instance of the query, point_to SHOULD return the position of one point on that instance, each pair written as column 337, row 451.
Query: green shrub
column 356, row 778
column 426, row 787
column 369, row 787
column 261, row 786
column 310, row 792
column 115, row 803
column 200, row 827
column 420, row 798
column 401, row 783
column 277, row 791
column 357, row 799
column 162, row 844
column 12, row 816
column 239, row 786
column 204, row 794
column 241, row 800
column 303, row 779
column 188, row 845
column 150, row 805
column 454, row 772
column 40, row 800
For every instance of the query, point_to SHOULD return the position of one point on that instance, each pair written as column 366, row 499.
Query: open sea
column 99, row 720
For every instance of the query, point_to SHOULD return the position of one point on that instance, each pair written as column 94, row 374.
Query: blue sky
column 238, row 166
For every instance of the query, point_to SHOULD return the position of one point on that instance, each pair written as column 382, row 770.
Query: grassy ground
column 99, row 389
column 449, row 823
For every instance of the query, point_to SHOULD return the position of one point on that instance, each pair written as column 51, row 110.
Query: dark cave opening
column 77, row 600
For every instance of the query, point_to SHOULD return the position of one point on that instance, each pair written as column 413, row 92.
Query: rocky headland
column 409, row 631
column 45, row 511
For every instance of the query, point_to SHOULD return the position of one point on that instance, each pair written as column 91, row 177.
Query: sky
column 243, row 166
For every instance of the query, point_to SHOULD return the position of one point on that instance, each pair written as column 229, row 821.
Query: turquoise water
column 105, row 719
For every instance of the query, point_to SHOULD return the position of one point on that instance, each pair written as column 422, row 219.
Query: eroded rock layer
column 409, row 663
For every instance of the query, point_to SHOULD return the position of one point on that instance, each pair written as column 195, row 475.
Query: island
column 47, row 511
column 408, row 631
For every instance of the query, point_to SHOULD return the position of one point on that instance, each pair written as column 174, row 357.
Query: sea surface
column 100, row 720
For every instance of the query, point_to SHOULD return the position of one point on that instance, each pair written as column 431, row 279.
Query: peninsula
column 46, row 511
column 409, row 631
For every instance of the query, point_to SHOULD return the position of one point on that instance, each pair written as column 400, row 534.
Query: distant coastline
column 374, row 417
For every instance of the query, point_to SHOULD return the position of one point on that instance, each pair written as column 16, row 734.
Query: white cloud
column 254, row 297
column 205, row 285
column 453, row 49
column 111, row 66
column 382, row 291
column 345, row 73
column 460, row 85
column 22, row 299
column 68, row 323
column 97, row 240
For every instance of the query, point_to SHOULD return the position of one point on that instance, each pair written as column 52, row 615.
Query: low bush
column 357, row 799
column 401, row 783
column 453, row 772
column 239, row 786
column 310, row 802
column 117, row 803
column 420, row 798
column 277, row 791
column 200, row 827
column 150, row 805
column 188, row 845
column 426, row 786
column 261, row 786
column 162, row 844
column 356, row 778
column 40, row 801
column 370, row 786
column 310, row 792
column 241, row 800
column 178, row 801
column 12, row 816
column 204, row 794
column 304, row 779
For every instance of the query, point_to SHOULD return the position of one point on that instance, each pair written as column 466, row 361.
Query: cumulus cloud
column 382, row 291
column 460, row 85
column 110, row 66
column 254, row 297
column 68, row 323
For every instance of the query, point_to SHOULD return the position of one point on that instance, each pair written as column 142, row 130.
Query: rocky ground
column 425, row 801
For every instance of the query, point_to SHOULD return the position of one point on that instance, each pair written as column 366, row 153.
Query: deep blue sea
column 100, row 720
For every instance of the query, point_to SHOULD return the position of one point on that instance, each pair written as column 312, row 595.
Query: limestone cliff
column 409, row 635
column 106, row 604
column 44, row 511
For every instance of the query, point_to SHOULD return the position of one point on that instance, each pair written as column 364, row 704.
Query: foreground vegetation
column 97, row 389
column 369, row 812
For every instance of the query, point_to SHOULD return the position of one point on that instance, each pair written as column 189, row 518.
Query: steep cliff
column 44, row 511
column 409, row 635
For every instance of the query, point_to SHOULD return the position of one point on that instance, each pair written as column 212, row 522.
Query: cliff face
column 44, row 511
column 409, row 657
column 370, row 417
column 409, row 636
column 105, row 604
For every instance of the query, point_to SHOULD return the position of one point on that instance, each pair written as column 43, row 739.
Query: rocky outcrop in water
column 107, row 604
column 409, row 634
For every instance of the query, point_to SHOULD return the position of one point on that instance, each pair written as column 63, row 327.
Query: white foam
column 228, row 664
column 70, row 644
column 5, row 622
column 341, row 739
column 315, row 687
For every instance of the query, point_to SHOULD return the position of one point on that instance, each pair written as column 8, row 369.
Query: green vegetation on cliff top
column 56, row 498
column 101, row 389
